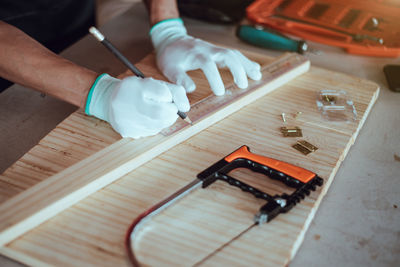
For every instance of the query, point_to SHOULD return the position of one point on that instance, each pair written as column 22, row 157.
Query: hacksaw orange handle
column 298, row 173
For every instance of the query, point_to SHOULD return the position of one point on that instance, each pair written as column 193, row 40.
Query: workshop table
column 358, row 222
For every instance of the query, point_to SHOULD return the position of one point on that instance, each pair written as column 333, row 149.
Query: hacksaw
column 302, row 180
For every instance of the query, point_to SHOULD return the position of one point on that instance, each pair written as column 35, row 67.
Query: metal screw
column 281, row 202
column 375, row 22
column 298, row 113
column 283, row 117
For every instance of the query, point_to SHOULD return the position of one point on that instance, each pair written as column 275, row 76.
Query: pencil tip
column 188, row 120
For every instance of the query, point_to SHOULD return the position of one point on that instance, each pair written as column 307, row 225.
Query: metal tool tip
column 316, row 51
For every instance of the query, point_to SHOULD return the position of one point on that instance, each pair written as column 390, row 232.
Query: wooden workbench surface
column 92, row 231
column 357, row 221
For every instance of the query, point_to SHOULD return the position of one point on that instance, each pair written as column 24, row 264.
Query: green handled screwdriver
column 259, row 36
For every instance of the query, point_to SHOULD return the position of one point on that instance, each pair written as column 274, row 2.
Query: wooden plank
column 92, row 231
column 178, row 228
column 46, row 199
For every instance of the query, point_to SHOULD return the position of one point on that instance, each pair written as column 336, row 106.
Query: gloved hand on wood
column 177, row 52
column 136, row 107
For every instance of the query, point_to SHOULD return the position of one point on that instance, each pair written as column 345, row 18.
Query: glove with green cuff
column 177, row 53
column 136, row 107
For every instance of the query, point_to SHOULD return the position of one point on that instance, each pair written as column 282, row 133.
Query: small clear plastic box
column 335, row 105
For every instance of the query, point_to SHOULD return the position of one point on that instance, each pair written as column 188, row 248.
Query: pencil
column 100, row 37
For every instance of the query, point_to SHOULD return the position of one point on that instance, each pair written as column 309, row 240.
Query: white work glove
column 136, row 107
column 178, row 53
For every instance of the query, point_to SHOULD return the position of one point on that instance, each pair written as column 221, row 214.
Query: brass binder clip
column 291, row 131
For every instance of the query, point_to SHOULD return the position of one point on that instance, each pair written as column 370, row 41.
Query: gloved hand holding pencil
column 136, row 107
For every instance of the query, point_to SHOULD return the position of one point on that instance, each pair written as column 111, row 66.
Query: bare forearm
column 25, row 61
column 161, row 9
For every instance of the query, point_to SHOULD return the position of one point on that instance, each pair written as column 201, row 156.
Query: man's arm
column 134, row 107
column 161, row 9
column 25, row 61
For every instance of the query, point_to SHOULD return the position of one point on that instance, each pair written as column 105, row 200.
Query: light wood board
column 46, row 199
column 92, row 231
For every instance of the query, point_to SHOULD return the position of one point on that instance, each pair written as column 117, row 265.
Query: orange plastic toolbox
column 364, row 27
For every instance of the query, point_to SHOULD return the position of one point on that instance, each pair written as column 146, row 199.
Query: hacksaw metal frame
column 296, row 177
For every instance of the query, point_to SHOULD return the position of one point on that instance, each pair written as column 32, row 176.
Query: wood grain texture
column 91, row 232
column 64, row 189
